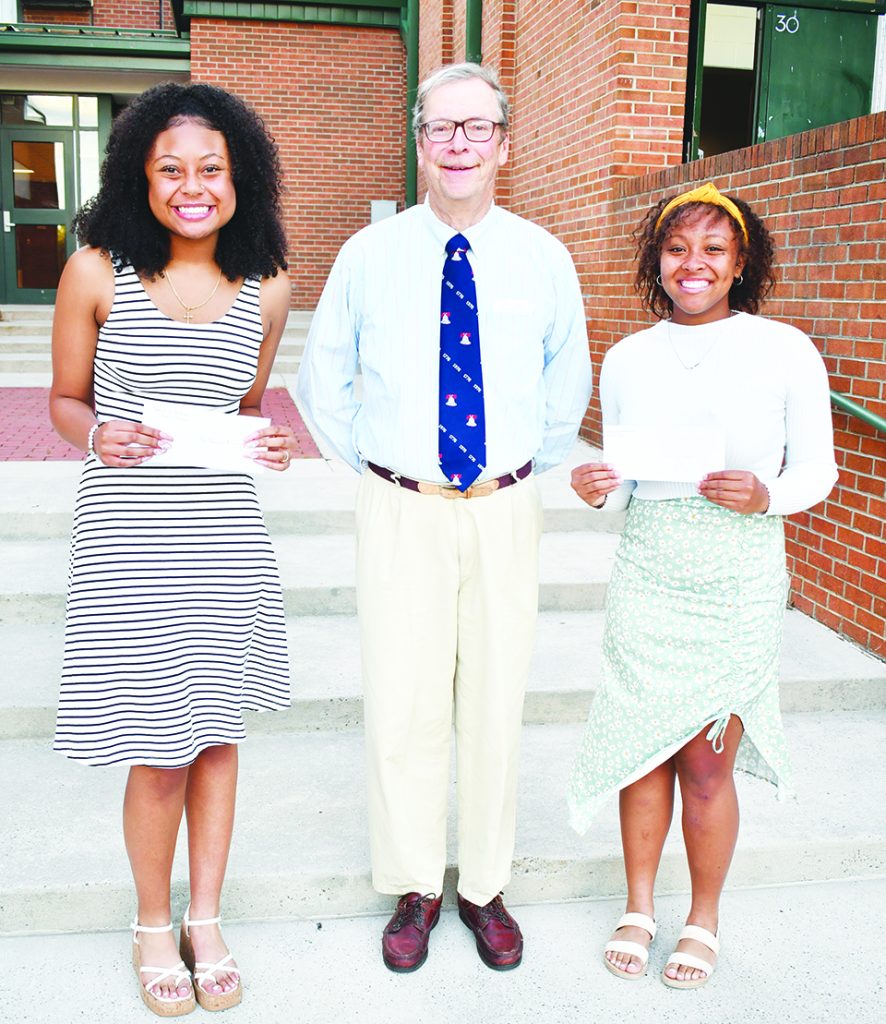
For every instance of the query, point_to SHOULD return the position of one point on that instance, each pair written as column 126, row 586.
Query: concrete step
column 26, row 362
column 298, row 964
column 19, row 343
column 317, row 573
column 16, row 379
column 285, row 364
column 316, row 496
column 300, row 848
column 26, row 328
column 819, row 672
column 11, row 313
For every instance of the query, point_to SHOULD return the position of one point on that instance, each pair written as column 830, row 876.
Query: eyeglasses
column 476, row 129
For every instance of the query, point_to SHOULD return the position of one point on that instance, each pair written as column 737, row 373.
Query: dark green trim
column 862, row 6
column 692, row 128
column 363, row 13
column 102, row 63
column 858, row 411
column 474, row 31
column 65, row 5
column 761, row 88
column 44, row 40
column 410, row 33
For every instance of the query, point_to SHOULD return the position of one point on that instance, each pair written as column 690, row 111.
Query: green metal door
column 817, row 68
column 38, row 201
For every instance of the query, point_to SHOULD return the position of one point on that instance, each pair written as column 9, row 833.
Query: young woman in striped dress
column 175, row 621
column 689, row 686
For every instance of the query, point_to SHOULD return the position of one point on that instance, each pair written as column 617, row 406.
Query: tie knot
column 458, row 243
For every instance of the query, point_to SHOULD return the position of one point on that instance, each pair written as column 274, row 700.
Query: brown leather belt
column 474, row 491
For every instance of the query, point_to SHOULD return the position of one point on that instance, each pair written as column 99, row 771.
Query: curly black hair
column 119, row 220
column 757, row 276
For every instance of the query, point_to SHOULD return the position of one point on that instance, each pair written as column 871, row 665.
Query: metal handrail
column 859, row 411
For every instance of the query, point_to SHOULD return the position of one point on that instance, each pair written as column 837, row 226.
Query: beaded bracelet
column 90, row 439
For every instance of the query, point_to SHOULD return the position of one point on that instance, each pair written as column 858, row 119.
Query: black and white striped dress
column 175, row 621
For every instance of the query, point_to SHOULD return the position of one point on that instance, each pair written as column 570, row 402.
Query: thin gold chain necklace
column 190, row 309
column 702, row 357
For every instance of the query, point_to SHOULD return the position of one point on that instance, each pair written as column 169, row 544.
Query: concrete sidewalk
column 806, row 954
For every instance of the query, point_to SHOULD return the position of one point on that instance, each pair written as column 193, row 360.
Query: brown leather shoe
column 404, row 942
column 499, row 940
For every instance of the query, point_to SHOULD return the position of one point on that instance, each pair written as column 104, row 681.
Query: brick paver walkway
column 27, row 435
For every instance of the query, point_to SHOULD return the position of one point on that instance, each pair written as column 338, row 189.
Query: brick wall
column 109, row 13
column 499, row 46
column 334, row 99
column 435, row 36
column 37, row 16
column 459, row 8
column 821, row 195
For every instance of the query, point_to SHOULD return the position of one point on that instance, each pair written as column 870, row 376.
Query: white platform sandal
column 204, row 971
column 631, row 920
column 163, row 1007
column 680, row 959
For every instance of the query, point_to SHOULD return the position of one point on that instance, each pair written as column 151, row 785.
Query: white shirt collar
column 443, row 231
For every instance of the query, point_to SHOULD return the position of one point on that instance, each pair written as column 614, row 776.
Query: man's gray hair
column 459, row 73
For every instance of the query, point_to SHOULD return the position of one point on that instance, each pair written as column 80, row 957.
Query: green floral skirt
column 694, row 616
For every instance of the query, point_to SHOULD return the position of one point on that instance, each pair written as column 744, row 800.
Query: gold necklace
column 700, row 360
column 190, row 309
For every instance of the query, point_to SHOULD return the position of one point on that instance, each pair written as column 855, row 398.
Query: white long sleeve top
column 760, row 381
column 381, row 306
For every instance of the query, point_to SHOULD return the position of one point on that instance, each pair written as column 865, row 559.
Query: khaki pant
column 447, row 596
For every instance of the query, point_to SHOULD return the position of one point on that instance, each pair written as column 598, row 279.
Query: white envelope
column 203, row 437
column 674, row 454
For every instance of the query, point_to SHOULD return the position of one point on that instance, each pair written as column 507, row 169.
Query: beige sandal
column 680, row 959
column 202, row 971
column 175, row 1007
column 631, row 920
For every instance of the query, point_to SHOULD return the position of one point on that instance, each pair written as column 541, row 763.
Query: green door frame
column 10, row 292
column 700, row 11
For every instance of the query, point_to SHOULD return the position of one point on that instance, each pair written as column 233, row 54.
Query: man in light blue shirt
column 447, row 572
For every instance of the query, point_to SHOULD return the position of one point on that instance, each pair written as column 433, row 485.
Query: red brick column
column 334, row 99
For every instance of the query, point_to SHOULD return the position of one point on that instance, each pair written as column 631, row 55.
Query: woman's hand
column 271, row 447
column 737, row 489
column 124, row 445
column 593, row 481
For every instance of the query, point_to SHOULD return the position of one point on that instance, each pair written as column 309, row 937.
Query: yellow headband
column 706, row 193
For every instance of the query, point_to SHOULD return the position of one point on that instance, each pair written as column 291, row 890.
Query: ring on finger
column 285, row 455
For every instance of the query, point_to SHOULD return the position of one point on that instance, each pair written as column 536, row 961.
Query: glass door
column 38, row 201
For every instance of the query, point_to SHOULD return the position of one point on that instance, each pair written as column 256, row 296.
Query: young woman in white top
column 689, row 687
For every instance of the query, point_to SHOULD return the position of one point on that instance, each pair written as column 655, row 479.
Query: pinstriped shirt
column 381, row 309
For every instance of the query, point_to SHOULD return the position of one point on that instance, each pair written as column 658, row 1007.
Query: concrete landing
column 774, row 969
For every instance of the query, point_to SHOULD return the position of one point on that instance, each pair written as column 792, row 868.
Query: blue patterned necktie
column 462, row 451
